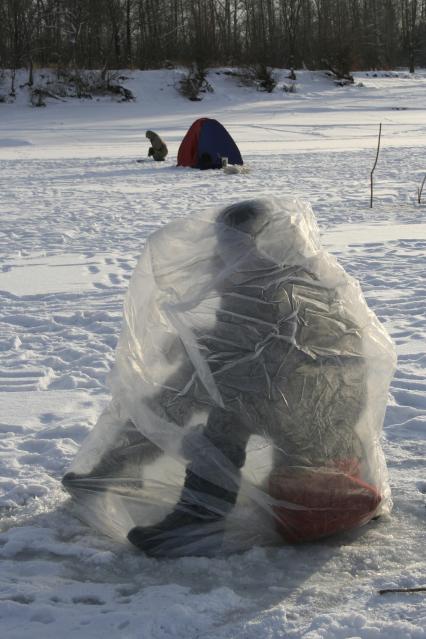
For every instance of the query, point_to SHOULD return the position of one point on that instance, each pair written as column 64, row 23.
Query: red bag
column 321, row 501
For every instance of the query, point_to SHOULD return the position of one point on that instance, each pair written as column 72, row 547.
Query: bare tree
column 410, row 15
column 103, row 34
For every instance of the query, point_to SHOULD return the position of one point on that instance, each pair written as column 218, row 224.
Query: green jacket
column 158, row 149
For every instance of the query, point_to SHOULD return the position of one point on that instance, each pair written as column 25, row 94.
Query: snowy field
column 75, row 210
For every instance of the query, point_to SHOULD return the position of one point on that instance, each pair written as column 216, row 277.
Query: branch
column 420, row 190
column 375, row 163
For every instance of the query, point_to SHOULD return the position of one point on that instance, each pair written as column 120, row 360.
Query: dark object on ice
column 244, row 347
column 206, row 162
column 385, row 591
column 158, row 149
column 205, row 144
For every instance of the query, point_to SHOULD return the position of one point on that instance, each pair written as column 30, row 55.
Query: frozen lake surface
column 75, row 209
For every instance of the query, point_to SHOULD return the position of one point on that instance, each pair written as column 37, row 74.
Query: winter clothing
column 158, row 149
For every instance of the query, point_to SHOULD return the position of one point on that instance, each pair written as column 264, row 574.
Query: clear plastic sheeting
column 248, row 393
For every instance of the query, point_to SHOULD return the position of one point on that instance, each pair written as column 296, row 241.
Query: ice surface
column 77, row 190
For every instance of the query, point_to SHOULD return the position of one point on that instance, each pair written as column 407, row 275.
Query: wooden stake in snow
column 420, row 190
column 372, row 170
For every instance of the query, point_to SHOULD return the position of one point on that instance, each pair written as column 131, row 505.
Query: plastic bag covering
column 248, row 393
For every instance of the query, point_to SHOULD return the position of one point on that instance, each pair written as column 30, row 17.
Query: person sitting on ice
column 158, row 149
column 264, row 335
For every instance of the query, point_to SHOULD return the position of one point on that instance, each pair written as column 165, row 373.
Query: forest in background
column 114, row 34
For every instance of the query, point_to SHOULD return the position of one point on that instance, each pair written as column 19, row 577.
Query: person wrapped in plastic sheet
column 247, row 328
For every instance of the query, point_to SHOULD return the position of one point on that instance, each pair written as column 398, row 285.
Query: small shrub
column 289, row 88
column 86, row 84
column 339, row 68
column 4, row 97
column 259, row 76
column 194, row 83
column 38, row 97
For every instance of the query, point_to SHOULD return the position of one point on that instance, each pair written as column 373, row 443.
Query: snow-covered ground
column 75, row 209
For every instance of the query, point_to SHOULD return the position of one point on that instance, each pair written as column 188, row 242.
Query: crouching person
column 158, row 149
column 239, row 326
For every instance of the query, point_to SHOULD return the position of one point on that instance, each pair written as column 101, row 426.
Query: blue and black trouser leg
column 212, row 479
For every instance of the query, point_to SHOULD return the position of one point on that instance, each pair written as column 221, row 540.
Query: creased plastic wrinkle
column 248, row 393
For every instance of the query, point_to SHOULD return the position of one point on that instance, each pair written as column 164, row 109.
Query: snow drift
column 248, row 393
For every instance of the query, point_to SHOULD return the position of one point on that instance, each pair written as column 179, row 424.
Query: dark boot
column 202, row 504
column 180, row 533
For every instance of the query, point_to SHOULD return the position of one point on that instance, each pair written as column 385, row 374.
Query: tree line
column 115, row 34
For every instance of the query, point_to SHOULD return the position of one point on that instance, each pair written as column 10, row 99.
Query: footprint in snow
column 48, row 418
column 93, row 269
column 114, row 279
